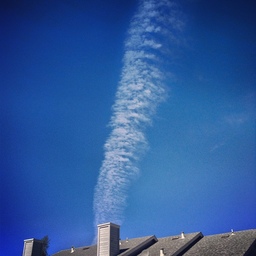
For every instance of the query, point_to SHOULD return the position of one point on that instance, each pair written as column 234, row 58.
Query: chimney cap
column 108, row 224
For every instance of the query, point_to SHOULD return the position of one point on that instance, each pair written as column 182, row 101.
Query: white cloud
column 140, row 90
column 237, row 119
column 217, row 146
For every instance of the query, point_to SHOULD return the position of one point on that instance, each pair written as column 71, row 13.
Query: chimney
column 32, row 247
column 108, row 239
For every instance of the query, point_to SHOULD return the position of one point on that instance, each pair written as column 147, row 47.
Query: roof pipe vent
column 232, row 232
column 182, row 236
column 72, row 250
column 162, row 252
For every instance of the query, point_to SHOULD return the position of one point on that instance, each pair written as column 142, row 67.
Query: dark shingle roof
column 172, row 245
column 194, row 244
column 126, row 246
column 136, row 245
column 228, row 244
column 81, row 251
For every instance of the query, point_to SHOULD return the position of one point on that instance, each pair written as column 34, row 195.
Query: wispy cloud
column 141, row 89
column 237, row 118
column 217, row 146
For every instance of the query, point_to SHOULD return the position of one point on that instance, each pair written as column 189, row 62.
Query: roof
column 127, row 247
column 227, row 244
column 136, row 245
column 194, row 244
column 81, row 251
column 173, row 245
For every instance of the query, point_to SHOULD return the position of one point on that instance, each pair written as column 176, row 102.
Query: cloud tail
column 140, row 90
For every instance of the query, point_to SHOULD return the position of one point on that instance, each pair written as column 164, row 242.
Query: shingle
column 172, row 245
column 136, row 245
column 81, row 251
column 125, row 246
column 194, row 244
column 228, row 244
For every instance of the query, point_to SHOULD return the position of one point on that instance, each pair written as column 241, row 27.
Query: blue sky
column 61, row 66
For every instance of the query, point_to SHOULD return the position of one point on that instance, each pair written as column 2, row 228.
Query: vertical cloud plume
column 153, row 29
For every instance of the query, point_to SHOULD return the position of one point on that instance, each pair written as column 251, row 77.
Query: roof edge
column 140, row 247
column 108, row 224
column 33, row 240
column 189, row 244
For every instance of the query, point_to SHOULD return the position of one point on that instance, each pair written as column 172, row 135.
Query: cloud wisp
column 141, row 88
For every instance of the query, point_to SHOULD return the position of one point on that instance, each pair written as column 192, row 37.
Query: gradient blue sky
column 61, row 62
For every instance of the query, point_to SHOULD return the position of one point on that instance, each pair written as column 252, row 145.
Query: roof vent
column 72, row 250
column 162, row 252
column 232, row 232
column 182, row 236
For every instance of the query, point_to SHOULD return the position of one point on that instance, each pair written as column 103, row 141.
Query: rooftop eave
column 188, row 245
column 137, row 249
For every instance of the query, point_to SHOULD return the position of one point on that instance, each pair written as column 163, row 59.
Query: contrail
column 141, row 88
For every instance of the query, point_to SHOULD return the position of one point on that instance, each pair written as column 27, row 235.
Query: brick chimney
column 108, row 239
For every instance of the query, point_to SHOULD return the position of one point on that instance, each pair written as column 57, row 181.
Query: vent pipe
column 162, row 252
column 108, row 239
